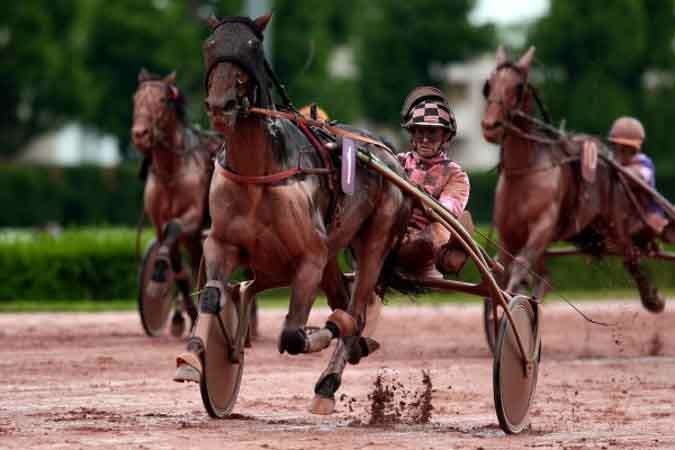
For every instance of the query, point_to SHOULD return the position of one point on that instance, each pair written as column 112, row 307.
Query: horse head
column 237, row 75
column 158, row 106
column 506, row 91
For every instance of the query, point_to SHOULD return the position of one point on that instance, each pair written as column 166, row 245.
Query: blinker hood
column 238, row 40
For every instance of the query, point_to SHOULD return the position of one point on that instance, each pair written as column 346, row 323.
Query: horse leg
column 651, row 299
column 182, row 279
column 195, row 250
column 334, row 285
column 542, row 284
column 293, row 338
column 221, row 259
column 541, row 235
column 170, row 235
column 374, row 241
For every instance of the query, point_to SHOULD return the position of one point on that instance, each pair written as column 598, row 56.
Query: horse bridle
column 523, row 88
column 159, row 121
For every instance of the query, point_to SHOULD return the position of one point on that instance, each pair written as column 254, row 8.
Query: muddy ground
column 95, row 381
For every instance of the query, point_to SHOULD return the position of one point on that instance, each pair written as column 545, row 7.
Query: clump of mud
column 656, row 345
column 392, row 403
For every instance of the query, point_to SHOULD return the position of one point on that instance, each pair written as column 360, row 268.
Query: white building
column 464, row 83
column 71, row 145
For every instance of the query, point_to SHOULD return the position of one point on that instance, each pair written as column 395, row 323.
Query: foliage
column 79, row 59
column 39, row 71
column 400, row 40
column 100, row 264
column 598, row 59
column 69, row 196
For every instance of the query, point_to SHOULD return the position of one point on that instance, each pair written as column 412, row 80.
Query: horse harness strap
column 532, row 169
column 261, row 179
column 302, row 124
column 319, row 123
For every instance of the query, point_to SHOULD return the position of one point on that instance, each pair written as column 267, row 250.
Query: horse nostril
column 139, row 132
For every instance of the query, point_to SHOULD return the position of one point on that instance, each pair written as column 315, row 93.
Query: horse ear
column 212, row 22
column 143, row 75
column 170, row 78
column 262, row 21
column 501, row 55
column 525, row 60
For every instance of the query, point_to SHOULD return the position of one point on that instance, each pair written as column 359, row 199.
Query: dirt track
column 94, row 381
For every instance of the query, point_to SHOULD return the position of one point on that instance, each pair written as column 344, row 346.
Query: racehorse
column 177, row 184
column 541, row 195
column 273, row 209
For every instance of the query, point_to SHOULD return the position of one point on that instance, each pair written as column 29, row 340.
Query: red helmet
column 627, row 131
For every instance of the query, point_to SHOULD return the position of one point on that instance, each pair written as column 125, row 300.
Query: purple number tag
column 348, row 165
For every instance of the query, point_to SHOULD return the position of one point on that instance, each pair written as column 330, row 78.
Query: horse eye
column 520, row 89
column 486, row 89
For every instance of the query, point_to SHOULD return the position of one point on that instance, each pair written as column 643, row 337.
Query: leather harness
column 304, row 125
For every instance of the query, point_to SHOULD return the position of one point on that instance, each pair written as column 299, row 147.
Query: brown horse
column 541, row 196
column 273, row 210
column 177, row 186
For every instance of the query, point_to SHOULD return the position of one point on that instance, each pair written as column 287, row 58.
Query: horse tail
column 391, row 279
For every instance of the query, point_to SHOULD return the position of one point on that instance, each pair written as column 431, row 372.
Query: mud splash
column 392, row 403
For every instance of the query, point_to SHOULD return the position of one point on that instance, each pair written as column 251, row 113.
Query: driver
column 627, row 135
column 427, row 250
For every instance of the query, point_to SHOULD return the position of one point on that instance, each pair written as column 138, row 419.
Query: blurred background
column 68, row 70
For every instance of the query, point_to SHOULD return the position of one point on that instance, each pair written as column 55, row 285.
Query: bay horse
column 273, row 210
column 541, row 196
column 177, row 183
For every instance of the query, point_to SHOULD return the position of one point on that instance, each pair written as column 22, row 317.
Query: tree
column 400, row 39
column 38, row 71
column 603, row 53
column 125, row 35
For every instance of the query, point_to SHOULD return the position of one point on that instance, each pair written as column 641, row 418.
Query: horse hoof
column 654, row 303
column 322, row 405
column 177, row 325
column 161, row 268
column 293, row 341
column 188, row 369
column 186, row 374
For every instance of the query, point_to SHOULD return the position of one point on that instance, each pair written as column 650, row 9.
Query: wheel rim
column 154, row 312
column 221, row 379
column 513, row 391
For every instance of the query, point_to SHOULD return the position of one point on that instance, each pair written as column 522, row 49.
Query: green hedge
column 84, row 264
column 83, row 196
column 101, row 264
column 32, row 196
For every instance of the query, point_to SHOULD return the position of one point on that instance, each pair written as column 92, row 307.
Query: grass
column 278, row 299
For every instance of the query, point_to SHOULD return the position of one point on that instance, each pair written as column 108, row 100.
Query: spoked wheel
column 221, row 376
column 514, row 381
column 154, row 311
column 489, row 324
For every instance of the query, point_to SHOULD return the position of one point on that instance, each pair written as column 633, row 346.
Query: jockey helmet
column 627, row 131
column 428, row 106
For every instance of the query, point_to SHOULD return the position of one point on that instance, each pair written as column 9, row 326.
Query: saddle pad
column 589, row 160
column 348, row 165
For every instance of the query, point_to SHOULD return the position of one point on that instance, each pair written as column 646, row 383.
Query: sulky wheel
column 221, row 376
column 154, row 312
column 514, row 386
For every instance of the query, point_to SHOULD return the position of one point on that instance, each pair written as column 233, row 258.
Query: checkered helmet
column 427, row 106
